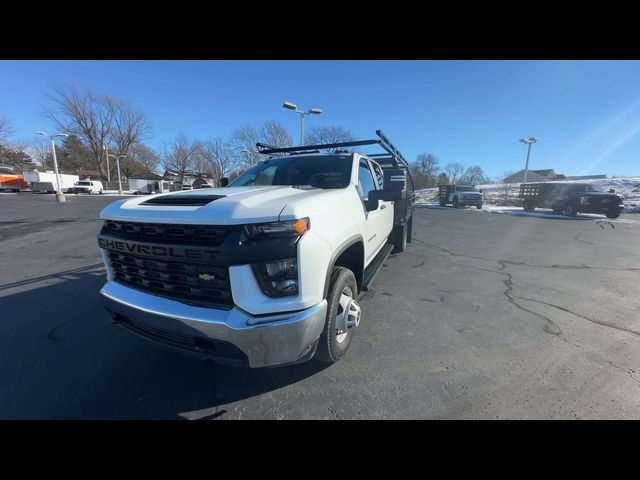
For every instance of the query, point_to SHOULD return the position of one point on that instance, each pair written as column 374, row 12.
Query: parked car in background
column 88, row 186
column 460, row 196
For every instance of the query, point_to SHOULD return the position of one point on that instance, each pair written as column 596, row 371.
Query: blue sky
column 586, row 113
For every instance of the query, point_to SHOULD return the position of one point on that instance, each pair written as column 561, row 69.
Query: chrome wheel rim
column 348, row 312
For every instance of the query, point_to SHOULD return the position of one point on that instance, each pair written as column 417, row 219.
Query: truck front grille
column 191, row 283
column 186, row 234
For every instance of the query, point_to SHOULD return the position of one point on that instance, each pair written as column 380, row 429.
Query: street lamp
column 59, row 195
column 528, row 141
column 118, row 157
column 311, row 111
column 106, row 151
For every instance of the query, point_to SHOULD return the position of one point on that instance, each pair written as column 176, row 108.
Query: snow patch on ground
column 519, row 212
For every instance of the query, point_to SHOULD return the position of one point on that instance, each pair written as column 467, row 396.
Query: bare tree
column 473, row 176
column 85, row 115
column 40, row 150
column 129, row 126
column 507, row 186
column 454, row 171
column 243, row 142
column 145, row 157
column 220, row 159
column 324, row 135
column 424, row 170
column 178, row 157
column 6, row 130
column 274, row 134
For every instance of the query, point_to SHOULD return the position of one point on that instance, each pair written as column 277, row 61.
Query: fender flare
column 351, row 241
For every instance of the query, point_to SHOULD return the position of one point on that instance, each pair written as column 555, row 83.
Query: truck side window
column 365, row 179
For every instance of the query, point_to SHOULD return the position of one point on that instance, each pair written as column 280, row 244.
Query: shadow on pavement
column 60, row 358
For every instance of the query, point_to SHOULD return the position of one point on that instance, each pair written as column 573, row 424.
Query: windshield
column 321, row 171
column 465, row 189
column 586, row 188
column 83, row 183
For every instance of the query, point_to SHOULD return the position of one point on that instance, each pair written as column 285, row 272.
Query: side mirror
column 611, row 190
column 224, row 181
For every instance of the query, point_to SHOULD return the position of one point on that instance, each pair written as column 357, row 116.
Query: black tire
column 400, row 235
column 529, row 206
column 570, row 210
column 443, row 202
column 479, row 206
column 613, row 214
column 100, row 192
column 409, row 230
column 455, row 202
column 329, row 349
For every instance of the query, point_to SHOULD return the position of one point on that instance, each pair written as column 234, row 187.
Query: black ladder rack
column 392, row 157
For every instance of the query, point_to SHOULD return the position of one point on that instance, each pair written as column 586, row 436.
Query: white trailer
column 46, row 181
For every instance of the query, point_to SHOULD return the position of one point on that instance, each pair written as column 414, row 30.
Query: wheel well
column 353, row 259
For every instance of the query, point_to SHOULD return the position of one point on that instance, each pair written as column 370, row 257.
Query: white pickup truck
column 265, row 271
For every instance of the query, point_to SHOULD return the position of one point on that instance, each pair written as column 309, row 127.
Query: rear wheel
column 479, row 206
column 529, row 206
column 343, row 316
column 455, row 202
column 613, row 214
column 409, row 230
column 443, row 202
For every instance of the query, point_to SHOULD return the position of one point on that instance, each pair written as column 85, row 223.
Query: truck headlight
column 289, row 228
column 278, row 278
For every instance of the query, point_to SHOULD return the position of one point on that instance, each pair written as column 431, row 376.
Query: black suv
column 570, row 198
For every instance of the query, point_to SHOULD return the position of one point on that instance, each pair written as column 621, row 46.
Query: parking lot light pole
column 59, row 195
column 528, row 141
column 106, row 151
column 118, row 157
column 311, row 111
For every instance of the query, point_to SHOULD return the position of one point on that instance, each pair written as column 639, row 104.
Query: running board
column 375, row 266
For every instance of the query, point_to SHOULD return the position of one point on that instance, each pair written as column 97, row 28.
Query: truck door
column 379, row 222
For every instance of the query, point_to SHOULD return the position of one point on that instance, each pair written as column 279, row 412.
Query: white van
column 88, row 186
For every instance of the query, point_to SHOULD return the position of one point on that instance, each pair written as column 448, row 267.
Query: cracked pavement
column 484, row 316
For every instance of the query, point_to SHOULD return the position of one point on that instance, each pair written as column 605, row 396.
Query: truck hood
column 216, row 206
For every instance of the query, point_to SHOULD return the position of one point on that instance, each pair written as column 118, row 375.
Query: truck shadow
column 61, row 358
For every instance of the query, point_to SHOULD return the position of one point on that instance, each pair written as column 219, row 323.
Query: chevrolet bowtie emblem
column 206, row 277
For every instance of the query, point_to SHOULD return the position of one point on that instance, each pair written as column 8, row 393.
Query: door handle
column 383, row 206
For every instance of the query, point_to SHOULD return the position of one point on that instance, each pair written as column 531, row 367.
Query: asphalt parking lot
column 485, row 316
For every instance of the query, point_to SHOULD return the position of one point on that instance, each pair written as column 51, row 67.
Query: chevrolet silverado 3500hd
column 268, row 270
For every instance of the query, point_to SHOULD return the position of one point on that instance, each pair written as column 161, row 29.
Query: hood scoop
column 183, row 200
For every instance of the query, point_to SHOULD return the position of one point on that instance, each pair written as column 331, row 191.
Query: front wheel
column 443, row 202
column 343, row 316
column 455, row 202
column 613, row 214
column 479, row 207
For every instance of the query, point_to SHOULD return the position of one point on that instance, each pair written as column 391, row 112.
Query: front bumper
column 470, row 201
column 229, row 336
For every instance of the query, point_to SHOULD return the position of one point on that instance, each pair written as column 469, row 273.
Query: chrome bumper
column 264, row 340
